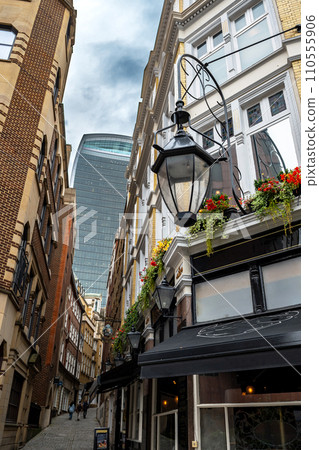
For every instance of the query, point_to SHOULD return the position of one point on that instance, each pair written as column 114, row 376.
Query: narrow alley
column 65, row 434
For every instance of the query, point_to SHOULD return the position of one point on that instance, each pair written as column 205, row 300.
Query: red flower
column 153, row 263
column 222, row 197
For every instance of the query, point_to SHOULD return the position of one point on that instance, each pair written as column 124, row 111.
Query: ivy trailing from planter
column 210, row 218
column 148, row 278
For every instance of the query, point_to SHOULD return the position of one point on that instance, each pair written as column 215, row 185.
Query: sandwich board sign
column 101, row 438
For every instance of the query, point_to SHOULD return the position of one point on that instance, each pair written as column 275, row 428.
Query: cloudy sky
column 112, row 45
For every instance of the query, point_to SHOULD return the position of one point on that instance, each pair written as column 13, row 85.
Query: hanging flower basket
column 274, row 196
column 215, row 213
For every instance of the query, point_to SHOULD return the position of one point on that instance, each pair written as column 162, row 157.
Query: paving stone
column 65, row 434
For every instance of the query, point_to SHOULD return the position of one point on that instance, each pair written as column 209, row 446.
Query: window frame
column 259, row 300
column 133, row 412
column 16, row 388
column 250, row 23
column 269, row 120
column 9, row 29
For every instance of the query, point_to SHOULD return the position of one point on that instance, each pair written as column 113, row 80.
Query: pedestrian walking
column 71, row 410
column 78, row 410
column 85, row 409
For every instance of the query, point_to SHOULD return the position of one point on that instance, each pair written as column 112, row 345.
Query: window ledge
column 236, row 229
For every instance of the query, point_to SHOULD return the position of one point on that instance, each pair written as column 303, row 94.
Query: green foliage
column 209, row 219
column 148, row 278
column 274, row 197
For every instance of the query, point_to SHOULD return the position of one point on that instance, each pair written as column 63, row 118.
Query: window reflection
column 274, row 149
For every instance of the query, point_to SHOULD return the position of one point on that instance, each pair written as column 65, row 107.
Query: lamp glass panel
column 201, row 180
column 134, row 338
column 165, row 189
column 282, row 283
column 166, row 295
column 180, row 175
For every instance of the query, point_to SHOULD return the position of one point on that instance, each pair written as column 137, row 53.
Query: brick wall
column 290, row 15
column 21, row 123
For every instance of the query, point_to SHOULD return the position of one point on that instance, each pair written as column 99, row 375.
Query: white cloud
column 112, row 44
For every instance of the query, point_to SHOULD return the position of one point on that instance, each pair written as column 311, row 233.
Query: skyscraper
column 98, row 175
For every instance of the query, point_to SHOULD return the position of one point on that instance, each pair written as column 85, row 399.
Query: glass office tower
column 98, row 175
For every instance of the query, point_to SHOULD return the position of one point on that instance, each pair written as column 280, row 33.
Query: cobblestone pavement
column 65, row 434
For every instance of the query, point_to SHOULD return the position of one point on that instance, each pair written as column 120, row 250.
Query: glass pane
column 240, row 22
column 258, row 10
column 212, row 428
column 200, row 184
column 218, row 38
column 254, row 115
column 262, row 428
column 282, row 283
column 218, row 70
column 201, row 49
column 230, row 128
column 256, row 33
column 4, row 51
column 277, row 103
column 7, row 37
column 224, row 297
column 180, row 173
column 220, row 181
column 165, row 190
column 166, row 432
column 206, row 142
column 274, row 149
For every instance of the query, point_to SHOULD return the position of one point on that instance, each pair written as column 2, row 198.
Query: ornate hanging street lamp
column 163, row 295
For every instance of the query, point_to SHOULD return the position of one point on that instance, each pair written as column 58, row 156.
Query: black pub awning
column 266, row 341
column 119, row 376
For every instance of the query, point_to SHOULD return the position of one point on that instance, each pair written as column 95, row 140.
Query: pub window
column 15, row 396
column 282, row 283
column 135, row 412
column 165, row 419
column 231, row 418
column 235, row 294
column 224, row 297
